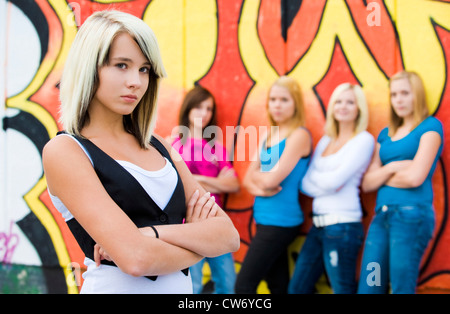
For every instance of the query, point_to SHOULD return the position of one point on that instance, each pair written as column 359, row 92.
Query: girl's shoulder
column 61, row 144
column 61, row 153
column 431, row 124
column 302, row 139
column 165, row 142
column 301, row 133
column 363, row 144
column 383, row 135
column 303, row 129
column 364, row 136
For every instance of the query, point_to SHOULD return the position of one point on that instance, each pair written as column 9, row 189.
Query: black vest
column 130, row 196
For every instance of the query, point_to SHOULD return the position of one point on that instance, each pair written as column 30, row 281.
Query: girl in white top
column 333, row 178
column 108, row 95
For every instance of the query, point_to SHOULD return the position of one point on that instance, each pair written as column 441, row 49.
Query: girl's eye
column 121, row 65
column 145, row 70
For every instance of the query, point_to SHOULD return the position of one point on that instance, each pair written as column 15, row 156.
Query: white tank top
column 106, row 279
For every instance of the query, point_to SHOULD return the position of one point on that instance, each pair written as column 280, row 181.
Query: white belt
column 331, row 219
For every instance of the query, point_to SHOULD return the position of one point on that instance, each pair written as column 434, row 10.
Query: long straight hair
column 294, row 89
column 420, row 106
column 89, row 52
column 192, row 100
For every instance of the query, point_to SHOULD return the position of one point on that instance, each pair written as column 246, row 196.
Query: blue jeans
column 222, row 273
column 396, row 240
column 333, row 249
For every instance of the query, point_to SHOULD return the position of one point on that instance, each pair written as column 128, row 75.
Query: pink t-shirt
column 202, row 158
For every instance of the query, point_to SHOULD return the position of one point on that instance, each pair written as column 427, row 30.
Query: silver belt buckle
column 319, row 221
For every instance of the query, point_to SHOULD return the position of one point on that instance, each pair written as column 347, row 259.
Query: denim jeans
column 396, row 240
column 333, row 249
column 222, row 273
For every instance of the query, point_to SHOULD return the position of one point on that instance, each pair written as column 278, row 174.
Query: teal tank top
column 282, row 209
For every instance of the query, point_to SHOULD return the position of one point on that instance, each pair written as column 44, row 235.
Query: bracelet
column 156, row 231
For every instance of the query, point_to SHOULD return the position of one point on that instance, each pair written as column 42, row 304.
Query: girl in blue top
column 401, row 169
column 274, row 178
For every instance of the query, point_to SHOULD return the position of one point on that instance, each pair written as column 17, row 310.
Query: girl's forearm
column 210, row 237
column 219, row 184
column 165, row 258
column 374, row 179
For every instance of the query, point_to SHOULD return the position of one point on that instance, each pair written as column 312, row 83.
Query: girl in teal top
column 273, row 178
column 401, row 171
column 405, row 149
column 291, row 214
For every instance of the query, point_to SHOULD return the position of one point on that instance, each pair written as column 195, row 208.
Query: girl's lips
column 400, row 108
column 129, row 98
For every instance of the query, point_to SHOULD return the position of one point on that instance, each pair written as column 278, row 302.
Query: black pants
column 267, row 259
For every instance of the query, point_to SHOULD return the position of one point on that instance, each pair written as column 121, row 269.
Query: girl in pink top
column 208, row 161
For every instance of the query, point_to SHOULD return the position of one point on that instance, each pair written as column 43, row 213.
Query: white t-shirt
column 107, row 279
column 333, row 181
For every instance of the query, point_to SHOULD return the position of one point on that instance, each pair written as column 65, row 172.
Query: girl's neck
column 102, row 128
column 195, row 132
column 346, row 131
column 404, row 129
column 104, row 121
column 408, row 121
column 284, row 128
column 277, row 133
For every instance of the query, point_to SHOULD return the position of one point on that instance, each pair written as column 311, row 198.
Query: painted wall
column 235, row 48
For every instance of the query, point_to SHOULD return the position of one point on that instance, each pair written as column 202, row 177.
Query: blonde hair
column 89, row 52
column 295, row 91
column 362, row 121
column 420, row 106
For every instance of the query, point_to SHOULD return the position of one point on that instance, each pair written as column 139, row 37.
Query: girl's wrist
column 155, row 231
column 150, row 231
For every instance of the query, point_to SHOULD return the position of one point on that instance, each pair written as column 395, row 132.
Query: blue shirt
column 282, row 209
column 405, row 149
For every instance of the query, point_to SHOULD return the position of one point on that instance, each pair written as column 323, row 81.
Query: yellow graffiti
column 187, row 36
column 250, row 46
column 420, row 47
column 110, row 1
column 336, row 23
column 22, row 102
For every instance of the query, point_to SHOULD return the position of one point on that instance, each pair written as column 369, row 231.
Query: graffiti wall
column 235, row 48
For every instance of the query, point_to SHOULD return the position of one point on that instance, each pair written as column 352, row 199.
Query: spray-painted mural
column 235, row 48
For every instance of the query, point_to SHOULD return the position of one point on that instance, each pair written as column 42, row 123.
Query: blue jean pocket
column 416, row 214
column 344, row 230
column 335, row 231
column 411, row 214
